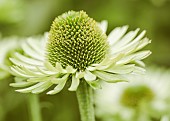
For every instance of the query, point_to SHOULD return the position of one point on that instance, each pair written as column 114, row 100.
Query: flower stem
column 34, row 107
column 85, row 100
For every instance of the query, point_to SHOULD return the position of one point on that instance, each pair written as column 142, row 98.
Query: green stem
column 85, row 100
column 34, row 107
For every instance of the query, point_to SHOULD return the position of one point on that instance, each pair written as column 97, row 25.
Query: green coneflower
column 77, row 50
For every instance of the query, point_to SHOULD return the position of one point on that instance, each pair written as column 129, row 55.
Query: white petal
column 143, row 43
column 60, row 80
column 23, row 69
column 29, row 51
column 58, row 88
column 140, row 63
column 130, row 47
column 90, row 68
column 141, row 55
column 125, row 49
column 20, row 63
column 42, row 88
column 49, row 66
column 29, row 89
column 122, row 69
column 70, row 69
column 139, row 70
column 80, row 74
column 36, row 45
column 103, row 25
column 110, row 61
column 74, row 84
column 21, row 84
column 45, row 72
column 140, row 36
column 59, row 68
column 39, row 79
column 30, row 72
column 133, row 57
column 126, row 39
column 18, row 72
column 95, row 84
column 108, row 77
column 88, row 76
column 28, row 60
column 116, row 34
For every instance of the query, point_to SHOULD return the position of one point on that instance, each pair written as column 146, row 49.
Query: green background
column 34, row 17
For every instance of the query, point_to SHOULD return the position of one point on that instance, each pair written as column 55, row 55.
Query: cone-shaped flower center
column 134, row 95
column 75, row 39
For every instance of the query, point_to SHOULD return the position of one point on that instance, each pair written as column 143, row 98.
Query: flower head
column 146, row 97
column 76, row 40
column 77, row 49
column 134, row 95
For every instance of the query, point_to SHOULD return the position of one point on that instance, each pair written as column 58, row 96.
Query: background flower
column 145, row 97
column 7, row 46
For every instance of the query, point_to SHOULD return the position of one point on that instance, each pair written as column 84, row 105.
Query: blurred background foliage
column 33, row 17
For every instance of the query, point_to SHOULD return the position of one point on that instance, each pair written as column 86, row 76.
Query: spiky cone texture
column 145, row 98
column 77, row 49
